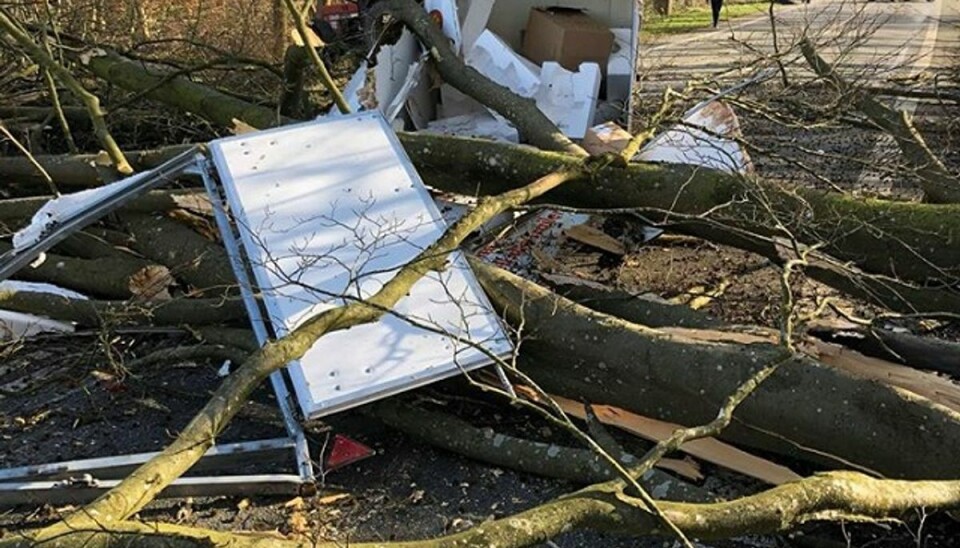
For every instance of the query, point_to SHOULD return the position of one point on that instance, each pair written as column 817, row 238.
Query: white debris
column 60, row 209
column 479, row 124
column 454, row 103
column 392, row 68
column 620, row 66
column 569, row 99
column 450, row 20
column 475, row 21
column 224, row 369
column 493, row 58
column 411, row 81
column 703, row 139
column 16, row 325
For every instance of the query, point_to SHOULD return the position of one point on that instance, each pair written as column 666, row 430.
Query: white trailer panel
column 327, row 212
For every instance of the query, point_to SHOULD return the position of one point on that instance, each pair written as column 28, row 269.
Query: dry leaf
column 330, row 499
column 243, row 505
column 298, row 523
column 294, row 503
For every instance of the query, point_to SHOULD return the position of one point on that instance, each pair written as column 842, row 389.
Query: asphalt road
column 876, row 40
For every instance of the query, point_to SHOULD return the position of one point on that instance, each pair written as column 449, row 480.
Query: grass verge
column 697, row 18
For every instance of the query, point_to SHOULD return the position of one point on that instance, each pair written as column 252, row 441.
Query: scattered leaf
column 330, row 499
column 294, row 503
column 298, row 523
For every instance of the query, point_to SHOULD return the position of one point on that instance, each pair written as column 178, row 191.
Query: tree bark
column 83, row 171
column 910, row 241
column 805, row 410
column 114, row 277
column 93, row 313
column 920, row 352
column 191, row 257
column 180, row 92
column 580, row 466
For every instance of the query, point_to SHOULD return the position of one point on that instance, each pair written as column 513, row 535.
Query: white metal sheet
column 327, row 211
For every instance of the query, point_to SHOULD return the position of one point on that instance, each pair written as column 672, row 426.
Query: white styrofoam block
column 619, row 67
column 475, row 21
column 478, row 124
column 451, row 19
column 493, row 58
column 327, row 212
column 687, row 144
column 454, row 103
column 569, row 99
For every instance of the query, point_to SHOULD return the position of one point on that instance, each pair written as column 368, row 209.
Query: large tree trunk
column 806, row 409
column 180, row 92
column 85, row 170
column 94, row 313
column 913, row 241
column 114, row 277
column 191, row 257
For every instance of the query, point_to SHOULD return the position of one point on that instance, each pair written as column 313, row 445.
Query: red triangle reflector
column 346, row 451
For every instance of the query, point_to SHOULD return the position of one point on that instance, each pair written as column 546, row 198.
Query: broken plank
column 937, row 389
column 595, row 237
column 708, row 449
column 685, row 468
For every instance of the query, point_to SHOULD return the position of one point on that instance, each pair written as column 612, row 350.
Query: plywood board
column 708, row 449
column 327, row 212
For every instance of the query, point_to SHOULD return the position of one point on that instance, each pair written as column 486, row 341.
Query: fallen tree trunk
column 906, row 240
column 16, row 212
column 604, row 507
column 580, row 466
column 93, row 313
column 901, row 239
column 85, row 170
column 906, row 348
column 191, row 257
column 938, row 184
column 113, row 277
column 179, row 91
column 805, row 410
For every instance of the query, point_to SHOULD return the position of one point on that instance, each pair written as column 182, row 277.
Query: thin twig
column 304, row 32
column 33, row 161
column 38, row 55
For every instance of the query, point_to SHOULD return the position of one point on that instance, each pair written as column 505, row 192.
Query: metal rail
column 15, row 259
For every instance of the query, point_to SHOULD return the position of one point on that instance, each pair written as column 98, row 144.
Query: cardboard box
column 567, row 36
column 608, row 137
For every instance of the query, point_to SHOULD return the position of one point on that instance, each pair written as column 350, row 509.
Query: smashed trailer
column 307, row 227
